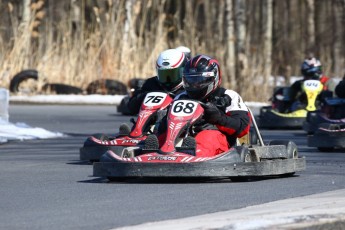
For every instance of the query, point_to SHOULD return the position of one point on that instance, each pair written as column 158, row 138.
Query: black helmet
column 311, row 68
column 201, row 76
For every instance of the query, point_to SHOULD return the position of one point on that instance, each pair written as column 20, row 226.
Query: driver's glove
column 211, row 113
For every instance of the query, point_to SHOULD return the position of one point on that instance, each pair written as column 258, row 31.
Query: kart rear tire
column 291, row 147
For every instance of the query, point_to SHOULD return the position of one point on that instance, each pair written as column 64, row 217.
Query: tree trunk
column 338, row 60
column 26, row 11
column 268, row 16
column 230, row 78
column 26, row 33
column 241, row 58
column 311, row 27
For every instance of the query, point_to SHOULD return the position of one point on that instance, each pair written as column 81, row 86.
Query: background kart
column 328, row 137
column 332, row 111
column 276, row 116
column 177, row 157
column 152, row 109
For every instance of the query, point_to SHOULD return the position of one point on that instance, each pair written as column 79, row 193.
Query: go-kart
column 328, row 137
column 177, row 157
column 152, row 109
column 281, row 115
column 332, row 111
column 330, row 126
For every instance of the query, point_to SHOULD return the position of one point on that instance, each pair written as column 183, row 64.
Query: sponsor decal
column 130, row 141
column 162, row 158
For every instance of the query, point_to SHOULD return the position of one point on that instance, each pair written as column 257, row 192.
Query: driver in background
column 311, row 69
column 169, row 67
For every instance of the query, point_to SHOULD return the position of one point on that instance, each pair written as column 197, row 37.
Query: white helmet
column 186, row 51
column 169, row 67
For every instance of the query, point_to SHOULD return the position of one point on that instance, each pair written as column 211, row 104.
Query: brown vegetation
column 76, row 42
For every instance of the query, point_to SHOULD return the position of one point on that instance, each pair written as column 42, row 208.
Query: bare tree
column 230, row 78
column 310, row 26
column 338, row 59
column 267, row 51
column 78, row 41
column 241, row 58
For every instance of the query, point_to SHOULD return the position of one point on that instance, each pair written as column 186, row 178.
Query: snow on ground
column 22, row 131
column 69, row 99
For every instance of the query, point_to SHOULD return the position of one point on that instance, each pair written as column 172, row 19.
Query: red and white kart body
column 96, row 145
column 174, row 159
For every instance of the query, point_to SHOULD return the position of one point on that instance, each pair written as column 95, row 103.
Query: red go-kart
column 152, row 109
column 177, row 157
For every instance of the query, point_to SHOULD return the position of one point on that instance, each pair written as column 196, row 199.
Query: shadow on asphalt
column 179, row 180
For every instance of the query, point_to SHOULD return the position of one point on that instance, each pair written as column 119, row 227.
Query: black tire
column 61, row 89
column 106, row 86
column 291, row 147
column 101, row 136
column 123, row 107
column 151, row 142
column 21, row 77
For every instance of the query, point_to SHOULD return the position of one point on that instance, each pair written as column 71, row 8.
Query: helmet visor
column 169, row 76
column 198, row 80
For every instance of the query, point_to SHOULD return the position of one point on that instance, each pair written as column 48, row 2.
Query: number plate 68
column 183, row 108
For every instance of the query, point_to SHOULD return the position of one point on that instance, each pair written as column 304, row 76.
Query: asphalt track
column 45, row 186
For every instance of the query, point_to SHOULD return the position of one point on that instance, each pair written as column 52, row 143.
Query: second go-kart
column 178, row 158
column 326, row 127
column 332, row 111
column 328, row 137
column 152, row 109
column 276, row 116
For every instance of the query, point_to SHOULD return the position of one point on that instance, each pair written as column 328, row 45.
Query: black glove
column 211, row 113
column 222, row 102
